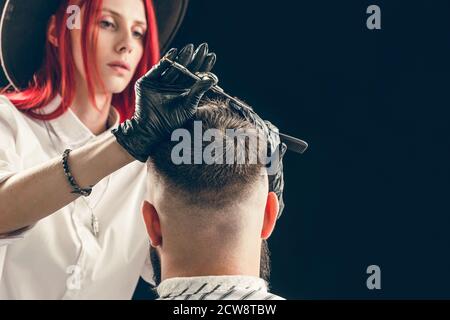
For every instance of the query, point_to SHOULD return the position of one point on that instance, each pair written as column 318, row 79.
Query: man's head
column 211, row 219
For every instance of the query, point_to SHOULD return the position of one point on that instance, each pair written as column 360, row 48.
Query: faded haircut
column 219, row 184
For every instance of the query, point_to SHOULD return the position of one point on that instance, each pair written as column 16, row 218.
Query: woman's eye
column 106, row 24
column 138, row 35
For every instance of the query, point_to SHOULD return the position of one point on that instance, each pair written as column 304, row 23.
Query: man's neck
column 210, row 265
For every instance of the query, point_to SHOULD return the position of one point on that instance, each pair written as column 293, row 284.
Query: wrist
column 123, row 153
column 130, row 144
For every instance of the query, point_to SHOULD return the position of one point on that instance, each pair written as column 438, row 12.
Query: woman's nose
column 125, row 44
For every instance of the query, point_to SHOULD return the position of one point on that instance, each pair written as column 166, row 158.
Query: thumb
column 201, row 87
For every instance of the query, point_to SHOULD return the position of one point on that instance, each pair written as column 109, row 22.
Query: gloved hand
column 165, row 100
column 275, row 149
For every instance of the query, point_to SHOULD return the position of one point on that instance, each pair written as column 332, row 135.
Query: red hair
column 56, row 76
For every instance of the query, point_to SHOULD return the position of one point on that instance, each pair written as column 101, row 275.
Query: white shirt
column 59, row 257
column 215, row 288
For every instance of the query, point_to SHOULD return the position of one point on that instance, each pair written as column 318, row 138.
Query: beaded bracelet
column 75, row 187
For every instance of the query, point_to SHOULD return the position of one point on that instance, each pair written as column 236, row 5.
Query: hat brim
column 23, row 27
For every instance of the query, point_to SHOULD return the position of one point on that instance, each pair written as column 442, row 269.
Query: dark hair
column 265, row 266
column 200, row 184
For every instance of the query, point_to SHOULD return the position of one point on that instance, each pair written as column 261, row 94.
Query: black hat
column 23, row 34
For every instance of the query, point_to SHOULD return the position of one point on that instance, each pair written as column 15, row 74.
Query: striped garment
column 215, row 288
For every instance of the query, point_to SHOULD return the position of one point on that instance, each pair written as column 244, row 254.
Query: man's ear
column 51, row 32
column 270, row 215
column 152, row 223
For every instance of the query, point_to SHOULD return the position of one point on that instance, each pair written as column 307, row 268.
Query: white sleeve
column 2, row 259
column 147, row 271
column 10, row 161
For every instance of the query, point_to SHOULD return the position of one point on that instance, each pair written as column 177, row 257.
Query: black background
column 373, row 187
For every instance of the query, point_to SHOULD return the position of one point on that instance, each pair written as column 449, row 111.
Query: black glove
column 275, row 149
column 165, row 100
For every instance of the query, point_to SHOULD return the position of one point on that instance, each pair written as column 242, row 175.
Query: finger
column 207, row 75
column 198, row 58
column 199, row 89
column 183, row 58
column 209, row 63
column 197, row 61
column 156, row 72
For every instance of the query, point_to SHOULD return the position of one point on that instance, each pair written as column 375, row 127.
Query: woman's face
column 122, row 30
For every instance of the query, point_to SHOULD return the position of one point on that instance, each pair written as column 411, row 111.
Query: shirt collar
column 200, row 285
column 69, row 128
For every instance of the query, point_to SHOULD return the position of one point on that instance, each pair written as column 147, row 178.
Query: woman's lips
column 119, row 66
